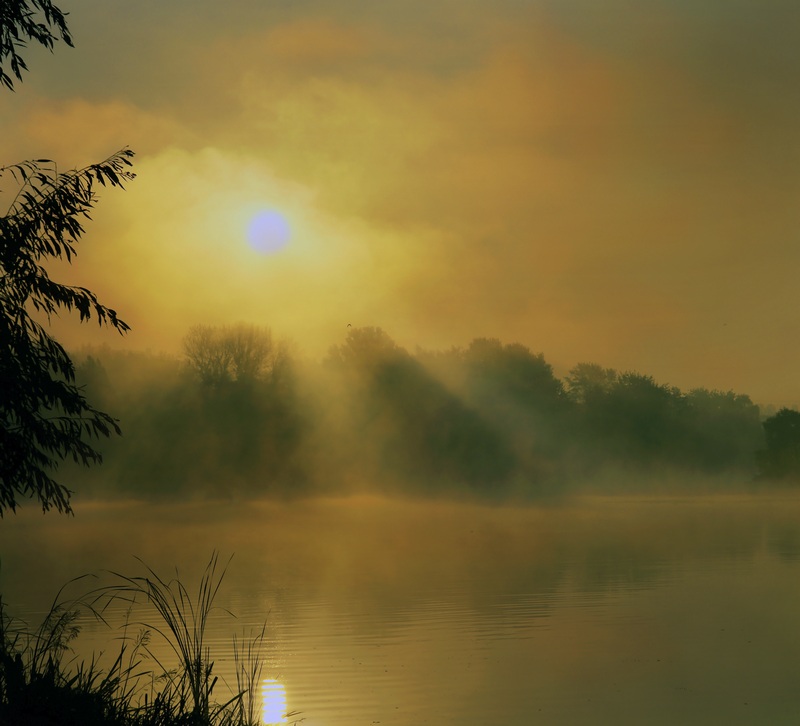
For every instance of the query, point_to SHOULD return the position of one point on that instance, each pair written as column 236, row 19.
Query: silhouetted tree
column 516, row 391
column 229, row 353
column 723, row 430
column 634, row 419
column 628, row 418
column 586, row 380
column 21, row 21
column 364, row 349
column 206, row 354
column 499, row 375
column 416, row 428
column 44, row 416
column 252, row 351
column 433, row 435
column 781, row 458
column 511, row 370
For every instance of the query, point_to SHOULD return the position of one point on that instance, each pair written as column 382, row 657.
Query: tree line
column 491, row 418
column 238, row 414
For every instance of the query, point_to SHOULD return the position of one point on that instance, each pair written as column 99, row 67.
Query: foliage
column 44, row 415
column 488, row 420
column 499, row 372
column 518, row 393
column 723, row 429
column 19, row 23
column 630, row 418
column 183, row 628
column 220, row 355
column 364, row 350
column 39, row 685
column 408, row 426
column 185, row 439
column 588, row 380
column 781, row 457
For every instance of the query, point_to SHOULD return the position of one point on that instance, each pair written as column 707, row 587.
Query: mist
column 500, row 457
column 489, row 421
column 609, row 610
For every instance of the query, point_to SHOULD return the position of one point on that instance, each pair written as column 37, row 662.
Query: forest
column 242, row 415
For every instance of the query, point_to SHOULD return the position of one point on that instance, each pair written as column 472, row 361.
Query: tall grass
column 37, row 684
column 40, row 685
column 183, row 627
column 248, row 658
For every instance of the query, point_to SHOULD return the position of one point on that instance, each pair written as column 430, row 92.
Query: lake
column 594, row 610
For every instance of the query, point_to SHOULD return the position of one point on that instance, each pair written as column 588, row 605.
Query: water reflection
column 595, row 611
column 273, row 696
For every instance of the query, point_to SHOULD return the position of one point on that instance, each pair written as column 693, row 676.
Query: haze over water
column 596, row 610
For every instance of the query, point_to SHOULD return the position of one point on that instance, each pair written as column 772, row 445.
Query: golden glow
column 538, row 176
column 274, row 702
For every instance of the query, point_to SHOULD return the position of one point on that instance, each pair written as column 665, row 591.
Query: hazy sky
column 610, row 181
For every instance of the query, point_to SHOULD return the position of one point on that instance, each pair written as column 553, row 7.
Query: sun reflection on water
column 273, row 696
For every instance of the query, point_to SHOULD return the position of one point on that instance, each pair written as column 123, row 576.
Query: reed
column 39, row 683
column 182, row 626
column 248, row 655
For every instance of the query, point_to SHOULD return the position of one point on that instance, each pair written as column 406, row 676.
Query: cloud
column 76, row 132
column 598, row 183
column 317, row 42
column 172, row 251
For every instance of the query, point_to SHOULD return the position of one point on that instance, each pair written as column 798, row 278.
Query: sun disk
column 268, row 232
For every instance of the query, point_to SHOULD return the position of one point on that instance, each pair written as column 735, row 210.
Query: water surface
column 594, row 611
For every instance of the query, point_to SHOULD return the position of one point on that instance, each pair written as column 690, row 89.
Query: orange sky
column 613, row 182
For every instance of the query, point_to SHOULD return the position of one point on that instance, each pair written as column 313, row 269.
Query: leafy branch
column 19, row 23
column 44, row 416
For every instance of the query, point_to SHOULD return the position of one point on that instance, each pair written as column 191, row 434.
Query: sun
column 268, row 232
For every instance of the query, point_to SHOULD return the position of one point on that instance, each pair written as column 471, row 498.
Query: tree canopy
column 24, row 20
column 44, row 415
column 781, row 457
column 220, row 355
